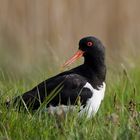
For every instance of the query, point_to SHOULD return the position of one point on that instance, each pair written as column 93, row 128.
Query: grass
column 117, row 118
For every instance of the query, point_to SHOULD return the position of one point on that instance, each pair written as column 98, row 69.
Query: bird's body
column 85, row 83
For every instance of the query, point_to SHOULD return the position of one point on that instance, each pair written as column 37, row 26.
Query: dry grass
column 33, row 33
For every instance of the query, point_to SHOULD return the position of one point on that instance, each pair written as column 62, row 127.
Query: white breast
column 94, row 102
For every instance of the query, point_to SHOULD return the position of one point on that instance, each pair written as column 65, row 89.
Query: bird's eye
column 89, row 43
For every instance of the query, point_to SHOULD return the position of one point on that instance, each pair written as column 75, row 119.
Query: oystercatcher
column 85, row 83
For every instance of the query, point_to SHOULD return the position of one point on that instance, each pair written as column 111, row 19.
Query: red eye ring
column 89, row 43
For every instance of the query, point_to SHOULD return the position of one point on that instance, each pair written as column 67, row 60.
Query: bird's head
column 88, row 47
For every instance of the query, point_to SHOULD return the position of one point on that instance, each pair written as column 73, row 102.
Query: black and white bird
column 85, row 82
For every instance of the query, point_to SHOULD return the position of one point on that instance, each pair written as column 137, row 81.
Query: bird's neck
column 97, row 65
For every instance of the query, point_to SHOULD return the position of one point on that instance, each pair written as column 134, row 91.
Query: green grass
column 117, row 118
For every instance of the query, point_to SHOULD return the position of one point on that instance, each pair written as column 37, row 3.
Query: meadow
column 117, row 118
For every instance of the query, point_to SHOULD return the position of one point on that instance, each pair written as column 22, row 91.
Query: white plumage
column 94, row 102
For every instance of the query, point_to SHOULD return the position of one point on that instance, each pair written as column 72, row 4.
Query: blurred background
column 40, row 35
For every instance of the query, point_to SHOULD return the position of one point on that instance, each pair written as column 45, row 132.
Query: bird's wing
column 73, row 90
column 71, row 85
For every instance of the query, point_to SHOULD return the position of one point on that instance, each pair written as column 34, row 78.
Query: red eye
column 89, row 43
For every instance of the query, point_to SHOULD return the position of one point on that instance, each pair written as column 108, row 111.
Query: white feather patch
column 94, row 102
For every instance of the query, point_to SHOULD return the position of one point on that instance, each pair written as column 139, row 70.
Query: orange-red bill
column 77, row 55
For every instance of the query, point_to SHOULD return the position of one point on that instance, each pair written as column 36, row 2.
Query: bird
column 84, row 84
